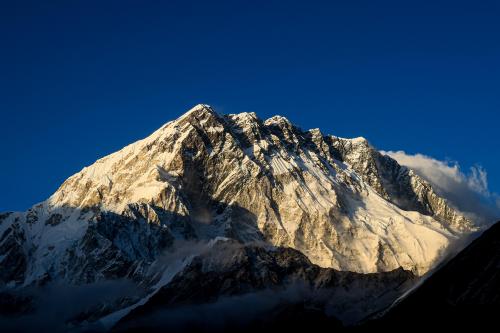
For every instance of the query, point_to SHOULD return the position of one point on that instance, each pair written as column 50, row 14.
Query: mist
column 468, row 192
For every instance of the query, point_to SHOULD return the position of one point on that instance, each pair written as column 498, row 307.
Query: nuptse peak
column 340, row 202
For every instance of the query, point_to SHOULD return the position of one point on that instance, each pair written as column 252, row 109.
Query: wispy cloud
column 467, row 192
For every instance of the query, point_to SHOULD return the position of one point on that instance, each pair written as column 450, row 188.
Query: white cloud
column 468, row 192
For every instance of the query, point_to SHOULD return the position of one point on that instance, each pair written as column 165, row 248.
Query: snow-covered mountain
column 338, row 201
column 297, row 206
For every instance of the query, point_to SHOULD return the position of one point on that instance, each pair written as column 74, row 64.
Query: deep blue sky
column 81, row 79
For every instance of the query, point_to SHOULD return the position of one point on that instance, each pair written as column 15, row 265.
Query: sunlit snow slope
column 204, row 175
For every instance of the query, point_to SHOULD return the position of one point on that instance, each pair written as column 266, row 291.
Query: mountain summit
column 338, row 201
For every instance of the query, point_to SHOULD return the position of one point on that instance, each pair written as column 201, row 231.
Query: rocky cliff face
column 249, row 283
column 244, row 206
column 204, row 175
